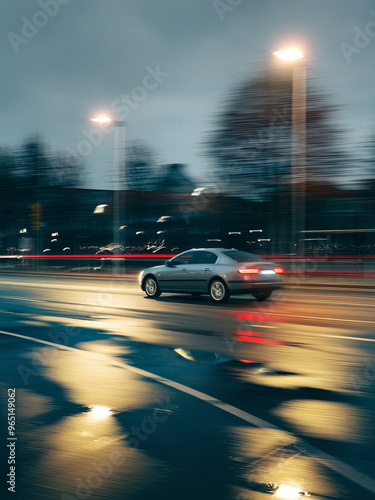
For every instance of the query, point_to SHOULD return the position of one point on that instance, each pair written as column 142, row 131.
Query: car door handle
column 207, row 270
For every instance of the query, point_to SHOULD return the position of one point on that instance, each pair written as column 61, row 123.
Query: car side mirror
column 168, row 263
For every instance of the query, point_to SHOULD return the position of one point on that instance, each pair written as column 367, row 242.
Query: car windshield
column 240, row 256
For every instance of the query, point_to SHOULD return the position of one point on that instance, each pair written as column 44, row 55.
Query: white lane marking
column 39, row 341
column 325, row 319
column 262, row 326
column 55, row 287
column 343, row 337
column 96, row 289
column 25, row 299
column 61, row 303
column 332, row 463
column 325, row 302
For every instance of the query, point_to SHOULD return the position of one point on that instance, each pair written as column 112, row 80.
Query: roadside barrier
column 309, row 265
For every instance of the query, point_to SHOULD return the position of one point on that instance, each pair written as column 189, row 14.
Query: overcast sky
column 165, row 66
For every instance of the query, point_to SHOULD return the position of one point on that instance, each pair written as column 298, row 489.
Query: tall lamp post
column 118, row 163
column 298, row 160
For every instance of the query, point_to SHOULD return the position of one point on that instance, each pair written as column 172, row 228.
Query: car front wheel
column 219, row 291
column 151, row 287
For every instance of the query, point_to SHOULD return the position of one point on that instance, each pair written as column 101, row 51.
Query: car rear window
column 240, row 256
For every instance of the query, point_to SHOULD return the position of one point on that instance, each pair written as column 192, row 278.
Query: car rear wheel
column 219, row 291
column 262, row 294
column 151, row 287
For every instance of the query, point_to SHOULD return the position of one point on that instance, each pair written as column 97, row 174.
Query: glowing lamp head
column 101, row 119
column 289, row 54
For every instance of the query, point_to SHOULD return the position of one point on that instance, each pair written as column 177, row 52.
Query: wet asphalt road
column 124, row 397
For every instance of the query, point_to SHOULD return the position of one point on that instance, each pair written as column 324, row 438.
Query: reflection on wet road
column 175, row 398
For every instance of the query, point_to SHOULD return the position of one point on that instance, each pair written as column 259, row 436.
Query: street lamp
column 298, row 177
column 118, row 162
column 102, row 119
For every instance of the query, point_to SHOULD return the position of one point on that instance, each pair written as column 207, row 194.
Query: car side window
column 185, row 258
column 206, row 258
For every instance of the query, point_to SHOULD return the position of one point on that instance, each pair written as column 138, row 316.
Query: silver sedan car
column 218, row 272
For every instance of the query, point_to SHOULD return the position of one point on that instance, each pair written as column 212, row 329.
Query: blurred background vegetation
column 244, row 202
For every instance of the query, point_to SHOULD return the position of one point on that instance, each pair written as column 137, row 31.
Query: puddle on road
column 92, row 381
column 242, row 368
column 325, row 419
column 33, row 405
column 86, row 452
column 204, row 357
column 274, row 464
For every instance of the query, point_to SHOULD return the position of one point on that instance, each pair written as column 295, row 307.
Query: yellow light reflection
column 288, row 492
column 99, row 412
column 326, row 419
column 76, row 443
column 275, row 458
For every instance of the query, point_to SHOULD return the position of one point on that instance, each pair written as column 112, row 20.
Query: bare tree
column 139, row 172
column 252, row 140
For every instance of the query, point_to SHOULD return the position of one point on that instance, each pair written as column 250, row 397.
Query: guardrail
column 341, row 265
column 309, row 265
column 81, row 262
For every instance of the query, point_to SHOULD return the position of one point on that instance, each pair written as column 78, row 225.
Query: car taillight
column 248, row 270
column 278, row 270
